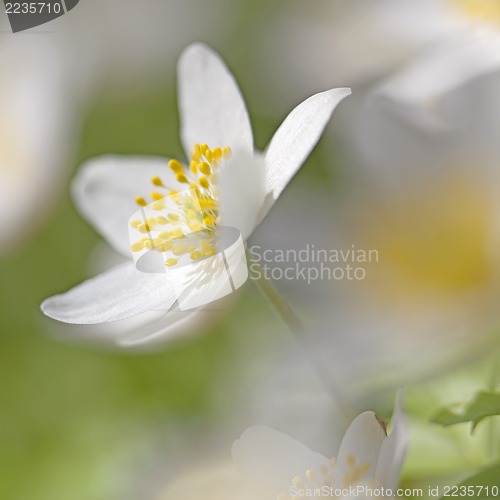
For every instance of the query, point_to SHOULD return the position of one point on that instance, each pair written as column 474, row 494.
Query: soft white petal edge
column 211, row 107
column 296, row 137
column 421, row 84
column 269, row 460
column 393, row 450
column 363, row 439
column 105, row 188
column 118, row 294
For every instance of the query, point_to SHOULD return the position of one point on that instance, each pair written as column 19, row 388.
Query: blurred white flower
column 269, row 465
column 362, row 40
column 278, row 467
column 425, row 197
column 212, row 112
column 118, row 42
column 35, row 132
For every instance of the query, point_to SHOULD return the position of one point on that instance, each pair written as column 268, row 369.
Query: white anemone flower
column 107, row 191
column 279, row 468
column 270, row 465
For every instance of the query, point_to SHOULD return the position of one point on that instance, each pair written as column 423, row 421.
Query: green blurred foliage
column 483, row 405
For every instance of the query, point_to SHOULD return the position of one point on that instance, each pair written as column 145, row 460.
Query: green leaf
column 482, row 486
column 483, row 405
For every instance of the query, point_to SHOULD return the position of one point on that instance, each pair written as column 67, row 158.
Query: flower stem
column 294, row 324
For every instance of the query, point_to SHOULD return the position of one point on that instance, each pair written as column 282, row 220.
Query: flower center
column 480, row 10
column 327, row 479
column 182, row 222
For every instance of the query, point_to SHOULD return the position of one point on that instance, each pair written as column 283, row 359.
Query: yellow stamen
column 217, row 152
column 137, row 247
column 143, row 228
column 176, row 166
column 179, row 250
column 209, row 220
column 196, row 255
column 204, row 182
column 157, row 196
column 171, row 262
column 205, row 168
column 157, row 181
column 141, row 201
column 182, row 179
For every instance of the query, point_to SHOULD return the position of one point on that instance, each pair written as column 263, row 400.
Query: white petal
column 269, row 460
column 242, row 192
column 105, row 189
column 120, row 293
column 211, row 106
column 393, row 450
column 297, row 136
column 165, row 326
column 363, row 440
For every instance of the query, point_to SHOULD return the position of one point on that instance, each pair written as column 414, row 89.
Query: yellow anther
column 157, row 181
column 148, row 245
column 205, row 246
column 158, row 205
column 157, row 196
column 173, row 217
column 196, row 255
column 141, row 201
column 143, row 228
column 207, row 203
column 196, row 153
column 210, row 252
column 350, row 460
column 165, row 235
column 217, row 152
column 227, row 152
column 310, row 475
column 137, row 247
column 205, row 168
column 177, row 233
column 150, row 221
column 135, row 223
column 171, row 262
column 179, row 250
column 195, row 225
column 162, row 221
column 176, row 166
column 182, row 179
column 193, row 166
column 209, row 220
column 191, row 214
column 204, row 182
column 208, row 155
